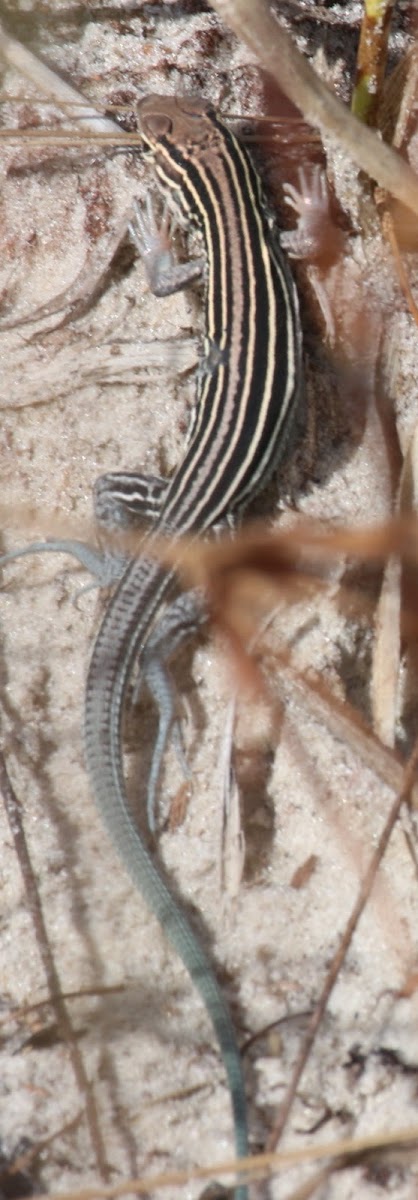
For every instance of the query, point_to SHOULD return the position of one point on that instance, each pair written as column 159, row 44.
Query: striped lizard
column 248, row 392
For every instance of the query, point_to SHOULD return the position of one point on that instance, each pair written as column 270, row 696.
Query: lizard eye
column 158, row 124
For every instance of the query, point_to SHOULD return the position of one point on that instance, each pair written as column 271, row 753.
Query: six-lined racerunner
column 248, row 393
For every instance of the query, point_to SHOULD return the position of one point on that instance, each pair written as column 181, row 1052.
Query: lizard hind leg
column 179, row 623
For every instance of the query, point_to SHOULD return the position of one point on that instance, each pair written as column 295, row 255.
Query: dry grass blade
column 371, row 59
column 259, row 563
column 386, row 654
column 257, row 1166
column 345, row 723
column 389, row 230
